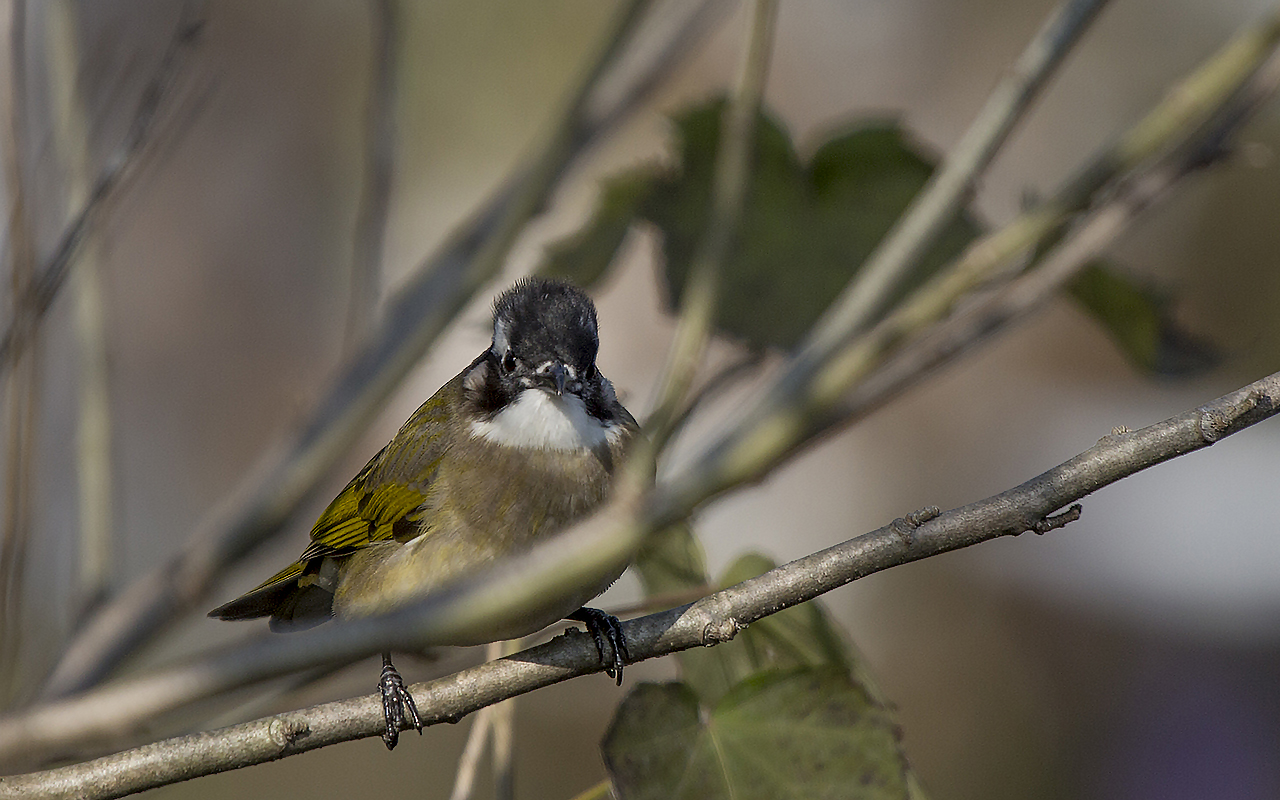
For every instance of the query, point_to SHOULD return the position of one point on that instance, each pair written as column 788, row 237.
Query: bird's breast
column 539, row 420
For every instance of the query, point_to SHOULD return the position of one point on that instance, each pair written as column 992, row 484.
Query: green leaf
column 671, row 561
column 585, row 256
column 806, row 733
column 1140, row 321
column 801, row 636
column 805, row 230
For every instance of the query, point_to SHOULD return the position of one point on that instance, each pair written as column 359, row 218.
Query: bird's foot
column 397, row 704
column 606, row 627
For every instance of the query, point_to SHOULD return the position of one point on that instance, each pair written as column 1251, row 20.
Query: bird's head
column 537, row 384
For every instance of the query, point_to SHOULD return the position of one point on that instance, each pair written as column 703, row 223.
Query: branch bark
column 714, row 619
column 419, row 312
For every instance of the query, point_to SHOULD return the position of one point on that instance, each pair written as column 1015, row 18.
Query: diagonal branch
column 803, row 402
column 714, row 619
column 416, row 315
column 53, row 272
column 950, row 187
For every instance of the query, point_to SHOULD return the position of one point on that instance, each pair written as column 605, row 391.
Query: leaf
column 805, row 230
column 804, row 733
column 585, row 256
column 797, row 637
column 671, row 561
column 1140, row 321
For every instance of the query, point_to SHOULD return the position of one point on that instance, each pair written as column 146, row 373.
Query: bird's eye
column 589, row 373
column 508, row 361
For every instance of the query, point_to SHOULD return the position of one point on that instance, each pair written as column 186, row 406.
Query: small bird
column 519, row 445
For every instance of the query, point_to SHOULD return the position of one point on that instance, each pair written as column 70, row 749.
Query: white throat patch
column 539, row 420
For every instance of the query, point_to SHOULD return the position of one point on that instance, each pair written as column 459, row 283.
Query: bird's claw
column 606, row 627
column 397, row 705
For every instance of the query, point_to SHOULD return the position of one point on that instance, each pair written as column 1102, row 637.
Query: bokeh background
column 1134, row 654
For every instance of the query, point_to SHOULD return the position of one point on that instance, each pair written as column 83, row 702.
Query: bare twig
column 728, row 195
column 950, row 187
column 23, row 384
column 464, row 780
column 1090, row 239
column 801, row 403
column 379, row 161
column 418, row 313
column 709, row 621
column 93, row 421
column 504, row 764
column 115, row 172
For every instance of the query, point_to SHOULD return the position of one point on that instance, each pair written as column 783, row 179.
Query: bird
column 516, row 447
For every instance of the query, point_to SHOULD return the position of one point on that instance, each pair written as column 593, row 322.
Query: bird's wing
column 384, row 500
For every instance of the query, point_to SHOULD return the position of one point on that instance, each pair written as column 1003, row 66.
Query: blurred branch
column 1029, row 291
column 728, row 195
column 805, row 400
column 420, row 311
column 53, row 273
column 951, row 186
column 494, row 722
column 23, row 382
column 93, row 420
column 469, row 762
column 714, row 619
column 379, row 165
column 504, row 763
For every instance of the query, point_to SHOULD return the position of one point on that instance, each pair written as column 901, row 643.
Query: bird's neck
column 538, row 420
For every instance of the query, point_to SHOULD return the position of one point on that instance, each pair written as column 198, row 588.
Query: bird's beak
column 558, row 377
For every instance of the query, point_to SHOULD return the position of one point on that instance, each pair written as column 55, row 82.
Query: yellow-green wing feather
column 380, row 502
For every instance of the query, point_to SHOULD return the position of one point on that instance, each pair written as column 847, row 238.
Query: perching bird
column 520, row 444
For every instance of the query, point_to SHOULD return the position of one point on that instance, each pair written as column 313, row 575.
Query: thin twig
column 562, row 560
column 951, row 186
column 93, row 419
column 734, row 155
column 419, row 312
column 23, row 382
column 800, row 403
column 379, row 165
column 464, row 780
column 716, row 618
column 504, row 761
column 1029, row 291
column 53, row 272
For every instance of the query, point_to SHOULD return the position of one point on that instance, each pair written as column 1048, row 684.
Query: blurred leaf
column 671, row 561
column 1141, row 323
column 804, row 232
column 802, row 636
column 585, row 256
column 803, row 733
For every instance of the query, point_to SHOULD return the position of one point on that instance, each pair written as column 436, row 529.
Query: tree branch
column 379, row 161
column 53, row 272
column 950, row 187
column 419, row 312
column 712, row 620
column 802, row 402
column 730, row 180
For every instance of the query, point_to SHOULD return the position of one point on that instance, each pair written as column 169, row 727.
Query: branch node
column 905, row 526
column 284, row 731
column 720, row 631
column 1217, row 422
column 1053, row 522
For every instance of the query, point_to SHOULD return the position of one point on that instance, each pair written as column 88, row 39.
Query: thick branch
column 709, row 621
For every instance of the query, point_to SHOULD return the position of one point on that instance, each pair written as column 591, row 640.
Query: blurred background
column 1134, row 654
